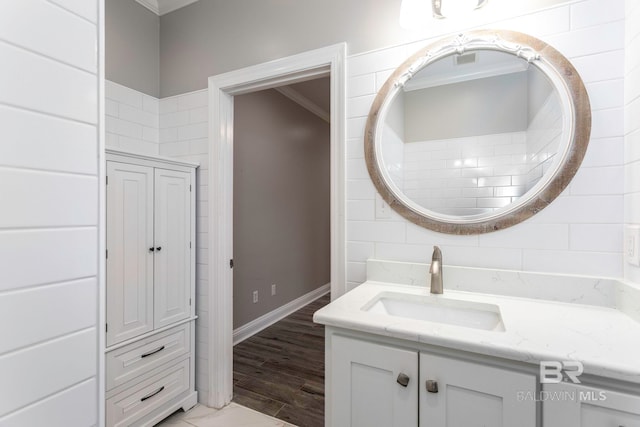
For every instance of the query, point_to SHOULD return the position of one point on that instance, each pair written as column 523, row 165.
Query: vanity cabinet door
column 471, row 394
column 372, row 385
column 576, row 405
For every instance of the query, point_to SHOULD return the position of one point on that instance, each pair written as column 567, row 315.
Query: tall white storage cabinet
column 150, row 288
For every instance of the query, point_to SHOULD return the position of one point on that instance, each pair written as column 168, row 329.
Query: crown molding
column 304, row 102
column 160, row 7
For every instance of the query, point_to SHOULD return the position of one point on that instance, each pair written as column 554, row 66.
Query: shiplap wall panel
column 46, row 205
column 86, row 9
column 18, row 24
column 54, row 411
column 36, row 257
column 69, row 360
column 54, row 311
column 39, row 83
column 27, row 142
column 49, row 187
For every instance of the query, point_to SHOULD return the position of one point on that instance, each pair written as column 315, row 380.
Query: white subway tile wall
column 183, row 124
column 49, row 190
column 466, row 176
column 566, row 237
column 132, row 119
column 632, row 125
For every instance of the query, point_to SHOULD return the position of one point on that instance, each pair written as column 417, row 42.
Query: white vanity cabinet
column 372, row 384
column 578, row 405
column 364, row 388
column 473, row 394
column 150, row 309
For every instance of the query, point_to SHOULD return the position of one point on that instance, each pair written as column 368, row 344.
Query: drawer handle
column 149, row 396
column 152, row 352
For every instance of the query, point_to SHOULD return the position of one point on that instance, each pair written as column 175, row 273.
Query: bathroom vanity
column 398, row 356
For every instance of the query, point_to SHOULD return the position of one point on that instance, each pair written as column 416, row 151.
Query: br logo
column 553, row 372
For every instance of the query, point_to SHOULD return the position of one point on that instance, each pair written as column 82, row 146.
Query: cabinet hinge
column 107, row 180
column 106, row 327
column 189, row 301
column 189, row 245
column 107, row 253
column 189, row 188
column 231, row 263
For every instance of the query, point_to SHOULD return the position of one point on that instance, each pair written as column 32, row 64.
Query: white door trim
column 222, row 88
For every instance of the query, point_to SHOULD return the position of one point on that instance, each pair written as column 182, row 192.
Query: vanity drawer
column 124, row 408
column 133, row 360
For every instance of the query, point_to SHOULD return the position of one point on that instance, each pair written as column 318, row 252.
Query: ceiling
column 314, row 95
column 160, row 7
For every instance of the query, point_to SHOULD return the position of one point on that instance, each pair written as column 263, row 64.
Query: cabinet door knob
column 159, row 248
column 432, row 386
column 151, row 249
column 403, row 379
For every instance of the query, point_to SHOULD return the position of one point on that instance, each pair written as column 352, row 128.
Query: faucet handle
column 437, row 254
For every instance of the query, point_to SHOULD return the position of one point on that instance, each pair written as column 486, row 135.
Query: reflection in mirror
column 472, row 133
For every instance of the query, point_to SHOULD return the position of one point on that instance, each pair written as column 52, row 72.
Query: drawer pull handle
column 403, row 379
column 149, row 396
column 152, row 352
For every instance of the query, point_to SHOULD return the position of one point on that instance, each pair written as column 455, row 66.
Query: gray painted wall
column 281, row 230
column 539, row 88
column 477, row 107
column 132, row 51
column 210, row 37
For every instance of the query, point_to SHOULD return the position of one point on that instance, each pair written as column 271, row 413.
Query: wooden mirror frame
column 577, row 112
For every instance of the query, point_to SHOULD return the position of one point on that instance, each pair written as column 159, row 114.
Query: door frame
column 222, row 88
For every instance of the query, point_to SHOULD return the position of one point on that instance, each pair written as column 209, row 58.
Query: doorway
column 222, row 90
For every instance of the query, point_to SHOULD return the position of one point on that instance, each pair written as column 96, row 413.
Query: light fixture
column 455, row 8
column 414, row 13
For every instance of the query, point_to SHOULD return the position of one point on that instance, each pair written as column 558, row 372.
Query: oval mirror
column 477, row 132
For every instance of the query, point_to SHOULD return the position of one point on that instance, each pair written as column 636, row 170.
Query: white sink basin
column 438, row 309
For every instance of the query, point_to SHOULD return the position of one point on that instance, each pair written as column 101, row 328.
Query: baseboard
column 245, row 331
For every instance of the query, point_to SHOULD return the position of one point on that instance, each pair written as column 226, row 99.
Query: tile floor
column 232, row 415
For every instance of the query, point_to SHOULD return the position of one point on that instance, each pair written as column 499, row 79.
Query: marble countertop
column 604, row 339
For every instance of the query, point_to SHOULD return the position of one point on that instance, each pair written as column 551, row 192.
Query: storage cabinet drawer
column 137, row 358
column 148, row 395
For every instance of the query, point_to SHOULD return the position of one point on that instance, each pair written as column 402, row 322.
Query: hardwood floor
column 280, row 370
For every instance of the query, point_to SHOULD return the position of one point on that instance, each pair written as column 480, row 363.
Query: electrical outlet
column 273, row 289
column 255, row 297
column 632, row 244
